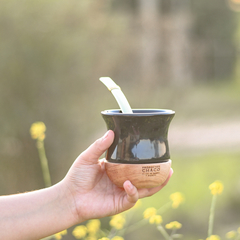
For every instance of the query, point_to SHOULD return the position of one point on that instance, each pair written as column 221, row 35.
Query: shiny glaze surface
column 140, row 137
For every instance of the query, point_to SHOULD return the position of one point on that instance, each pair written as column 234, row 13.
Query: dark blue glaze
column 140, row 137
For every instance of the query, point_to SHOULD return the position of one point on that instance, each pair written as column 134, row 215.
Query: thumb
column 131, row 196
column 94, row 152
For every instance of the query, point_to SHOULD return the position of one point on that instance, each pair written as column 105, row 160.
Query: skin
column 85, row 193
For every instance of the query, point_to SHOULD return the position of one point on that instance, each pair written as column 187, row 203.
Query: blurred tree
column 51, row 54
column 212, row 46
column 236, row 72
column 179, row 41
column 235, row 6
column 150, row 41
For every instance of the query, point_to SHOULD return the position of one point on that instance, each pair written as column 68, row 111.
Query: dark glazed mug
column 140, row 137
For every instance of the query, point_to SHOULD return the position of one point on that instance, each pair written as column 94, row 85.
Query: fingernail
column 130, row 185
column 105, row 135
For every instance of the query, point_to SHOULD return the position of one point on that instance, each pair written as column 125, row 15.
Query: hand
column 85, row 193
column 93, row 193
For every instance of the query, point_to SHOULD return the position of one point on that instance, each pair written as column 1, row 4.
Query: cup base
column 141, row 175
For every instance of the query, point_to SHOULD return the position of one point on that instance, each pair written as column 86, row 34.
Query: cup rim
column 139, row 112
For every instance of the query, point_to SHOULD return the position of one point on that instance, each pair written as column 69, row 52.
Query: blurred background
column 182, row 55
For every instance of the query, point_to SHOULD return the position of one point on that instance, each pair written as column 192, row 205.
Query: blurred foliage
column 51, row 56
column 48, row 66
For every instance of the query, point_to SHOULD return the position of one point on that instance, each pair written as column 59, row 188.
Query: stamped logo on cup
column 150, row 171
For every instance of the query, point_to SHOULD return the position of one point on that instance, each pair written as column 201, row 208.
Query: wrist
column 68, row 202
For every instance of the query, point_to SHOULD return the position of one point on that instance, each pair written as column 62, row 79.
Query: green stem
column 44, row 163
column 211, row 216
column 112, row 233
column 163, row 232
column 144, row 221
column 164, row 208
column 173, row 232
column 135, row 226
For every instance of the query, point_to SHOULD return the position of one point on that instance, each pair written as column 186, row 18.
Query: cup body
column 140, row 137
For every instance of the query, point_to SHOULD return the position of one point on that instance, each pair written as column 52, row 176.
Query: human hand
column 85, row 193
column 93, row 193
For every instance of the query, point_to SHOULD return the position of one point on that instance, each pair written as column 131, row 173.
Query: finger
column 147, row 192
column 94, row 152
column 132, row 192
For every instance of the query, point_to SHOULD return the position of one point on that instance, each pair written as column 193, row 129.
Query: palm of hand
column 96, row 196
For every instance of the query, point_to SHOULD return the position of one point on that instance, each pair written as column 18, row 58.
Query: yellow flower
column 214, row 237
column 231, row 234
column 173, row 225
column 216, row 188
column 104, row 238
column 59, row 234
column 117, row 221
column 118, row 238
column 156, row 219
column 177, row 198
column 238, row 230
column 149, row 212
column 37, row 130
column 79, row 232
column 93, row 226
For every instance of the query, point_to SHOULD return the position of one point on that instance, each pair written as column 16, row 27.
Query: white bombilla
column 117, row 93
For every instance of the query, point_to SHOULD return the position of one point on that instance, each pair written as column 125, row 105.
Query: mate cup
column 140, row 150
